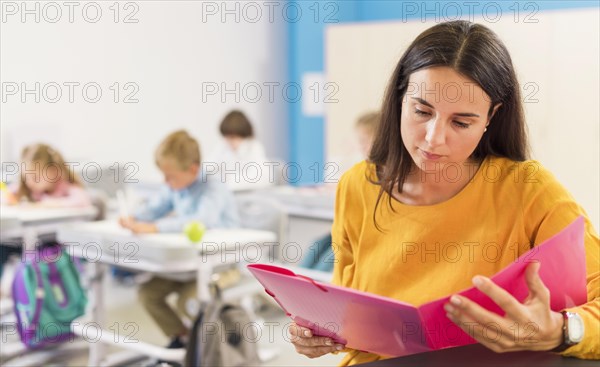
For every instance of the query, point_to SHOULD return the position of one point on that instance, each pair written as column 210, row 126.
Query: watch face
column 575, row 328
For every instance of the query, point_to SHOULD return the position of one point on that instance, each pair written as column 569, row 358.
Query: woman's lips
column 430, row 156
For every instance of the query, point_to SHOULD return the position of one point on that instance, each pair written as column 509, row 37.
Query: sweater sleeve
column 549, row 209
column 340, row 244
column 347, row 206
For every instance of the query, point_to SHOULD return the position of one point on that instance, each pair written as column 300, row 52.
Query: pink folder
column 388, row 327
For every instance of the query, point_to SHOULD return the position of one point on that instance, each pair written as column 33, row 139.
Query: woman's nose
column 436, row 133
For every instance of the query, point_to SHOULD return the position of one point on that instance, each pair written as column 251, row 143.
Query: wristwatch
column 573, row 330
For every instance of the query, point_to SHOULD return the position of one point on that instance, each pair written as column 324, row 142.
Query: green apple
column 194, row 231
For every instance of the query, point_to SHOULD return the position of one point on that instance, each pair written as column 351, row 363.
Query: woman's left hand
column 530, row 325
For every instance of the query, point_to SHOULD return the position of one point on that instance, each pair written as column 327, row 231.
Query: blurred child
column 189, row 195
column 45, row 181
column 320, row 255
column 366, row 127
column 238, row 149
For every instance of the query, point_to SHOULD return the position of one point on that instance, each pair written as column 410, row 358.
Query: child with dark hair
column 240, row 158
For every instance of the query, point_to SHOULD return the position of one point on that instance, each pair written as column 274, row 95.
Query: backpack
column 47, row 296
column 223, row 335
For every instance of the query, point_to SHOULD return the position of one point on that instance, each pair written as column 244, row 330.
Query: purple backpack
column 47, row 296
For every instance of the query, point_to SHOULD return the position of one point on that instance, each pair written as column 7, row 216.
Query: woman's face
column 444, row 115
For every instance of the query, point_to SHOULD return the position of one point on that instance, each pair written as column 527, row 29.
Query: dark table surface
column 476, row 355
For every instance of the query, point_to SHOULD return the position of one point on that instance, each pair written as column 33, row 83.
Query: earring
column 484, row 130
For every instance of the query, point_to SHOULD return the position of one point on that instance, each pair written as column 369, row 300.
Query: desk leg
column 97, row 348
column 30, row 239
column 205, row 271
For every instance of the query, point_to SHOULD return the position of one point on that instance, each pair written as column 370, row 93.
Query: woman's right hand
column 309, row 345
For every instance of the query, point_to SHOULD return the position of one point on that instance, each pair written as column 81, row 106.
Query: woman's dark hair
column 237, row 124
column 474, row 51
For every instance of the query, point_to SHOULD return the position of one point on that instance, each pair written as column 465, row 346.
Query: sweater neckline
column 464, row 191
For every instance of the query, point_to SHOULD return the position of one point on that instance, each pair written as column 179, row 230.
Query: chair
column 104, row 178
column 257, row 212
column 99, row 200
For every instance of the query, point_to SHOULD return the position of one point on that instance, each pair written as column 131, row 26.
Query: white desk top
column 316, row 202
column 106, row 241
column 30, row 222
column 112, row 231
column 34, row 215
column 8, row 223
column 311, row 213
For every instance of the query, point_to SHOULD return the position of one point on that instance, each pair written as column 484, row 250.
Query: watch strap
column 564, row 345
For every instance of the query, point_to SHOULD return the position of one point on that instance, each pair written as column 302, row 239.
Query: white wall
column 169, row 53
column 559, row 57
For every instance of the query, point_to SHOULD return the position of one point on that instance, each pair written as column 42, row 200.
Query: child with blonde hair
column 366, row 128
column 189, row 195
column 45, row 181
column 320, row 255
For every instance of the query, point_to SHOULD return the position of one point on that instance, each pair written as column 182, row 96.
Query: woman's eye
column 462, row 125
column 422, row 113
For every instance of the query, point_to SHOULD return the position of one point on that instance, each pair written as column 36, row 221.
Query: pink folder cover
column 388, row 327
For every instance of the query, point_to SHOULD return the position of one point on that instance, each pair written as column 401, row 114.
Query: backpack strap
column 39, row 298
column 55, row 278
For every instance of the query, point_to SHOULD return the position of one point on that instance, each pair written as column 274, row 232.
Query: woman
column 448, row 178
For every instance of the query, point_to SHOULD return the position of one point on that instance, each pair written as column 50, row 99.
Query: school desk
column 106, row 243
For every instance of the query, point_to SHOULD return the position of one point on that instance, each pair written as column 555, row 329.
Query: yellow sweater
column 427, row 252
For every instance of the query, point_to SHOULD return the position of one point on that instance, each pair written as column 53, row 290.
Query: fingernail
column 448, row 308
column 307, row 333
column 455, row 300
column 328, row 342
column 339, row 347
column 478, row 281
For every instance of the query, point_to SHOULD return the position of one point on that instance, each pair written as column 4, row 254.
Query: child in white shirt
column 239, row 160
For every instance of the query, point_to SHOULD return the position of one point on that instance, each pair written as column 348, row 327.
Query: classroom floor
column 123, row 308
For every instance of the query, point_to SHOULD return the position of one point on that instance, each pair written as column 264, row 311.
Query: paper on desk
column 389, row 327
